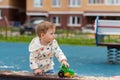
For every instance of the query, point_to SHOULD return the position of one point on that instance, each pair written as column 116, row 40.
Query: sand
column 99, row 78
column 21, row 74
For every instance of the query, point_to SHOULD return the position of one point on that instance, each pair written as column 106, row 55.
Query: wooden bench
column 104, row 29
column 19, row 75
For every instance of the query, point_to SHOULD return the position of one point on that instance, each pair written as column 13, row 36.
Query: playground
column 84, row 60
column 101, row 62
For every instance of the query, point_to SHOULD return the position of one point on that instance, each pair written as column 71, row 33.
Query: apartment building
column 12, row 11
column 66, row 14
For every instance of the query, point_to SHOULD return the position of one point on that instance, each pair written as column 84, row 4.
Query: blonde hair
column 43, row 27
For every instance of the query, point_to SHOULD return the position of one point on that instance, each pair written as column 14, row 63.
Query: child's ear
column 42, row 34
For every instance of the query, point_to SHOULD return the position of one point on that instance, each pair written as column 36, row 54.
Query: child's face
column 49, row 35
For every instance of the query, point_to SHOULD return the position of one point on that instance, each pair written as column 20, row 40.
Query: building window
column 74, row 21
column 96, row 1
column 113, row 2
column 56, row 20
column 0, row 14
column 1, row 0
column 56, row 3
column 74, row 3
column 38, row 3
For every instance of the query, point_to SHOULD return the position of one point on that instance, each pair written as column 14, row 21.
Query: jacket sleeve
column 32, row 59
column 33, row 49
column 58, row 52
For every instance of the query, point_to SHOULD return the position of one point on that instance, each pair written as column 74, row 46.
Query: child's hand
column 38, row 71
column 65, row 63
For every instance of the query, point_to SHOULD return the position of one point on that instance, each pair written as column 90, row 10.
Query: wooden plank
column 19, row 75
column 115, row 45
column 107, row 27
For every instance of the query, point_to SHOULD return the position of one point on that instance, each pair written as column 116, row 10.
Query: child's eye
column 52, row 33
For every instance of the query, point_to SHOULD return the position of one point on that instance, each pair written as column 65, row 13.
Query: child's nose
column 53, row 35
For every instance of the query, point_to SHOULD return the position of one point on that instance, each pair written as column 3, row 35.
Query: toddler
column 42, row 49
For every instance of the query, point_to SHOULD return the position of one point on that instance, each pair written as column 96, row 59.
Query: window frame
column 113, row 2
column 56, row 20
column 73, row 21
column 74, row 3
column 0, row 14
column 56, row 3
column 96, row 2
column 38, row 3
column 1, row 0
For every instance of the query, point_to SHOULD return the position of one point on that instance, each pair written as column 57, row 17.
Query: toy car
column 66, row 72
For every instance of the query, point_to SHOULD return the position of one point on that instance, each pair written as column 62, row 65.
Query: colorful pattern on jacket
column 42, row 56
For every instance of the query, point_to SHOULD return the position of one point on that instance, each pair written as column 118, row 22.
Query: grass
column 63, row 37
column 69, row 37
column 64, row 40
column 16, row 39
column 61, row 40
column 76, row 41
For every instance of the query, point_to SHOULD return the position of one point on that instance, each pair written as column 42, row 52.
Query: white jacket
column 42, row 56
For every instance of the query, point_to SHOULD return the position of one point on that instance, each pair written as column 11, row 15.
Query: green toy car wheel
column 61, row 74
